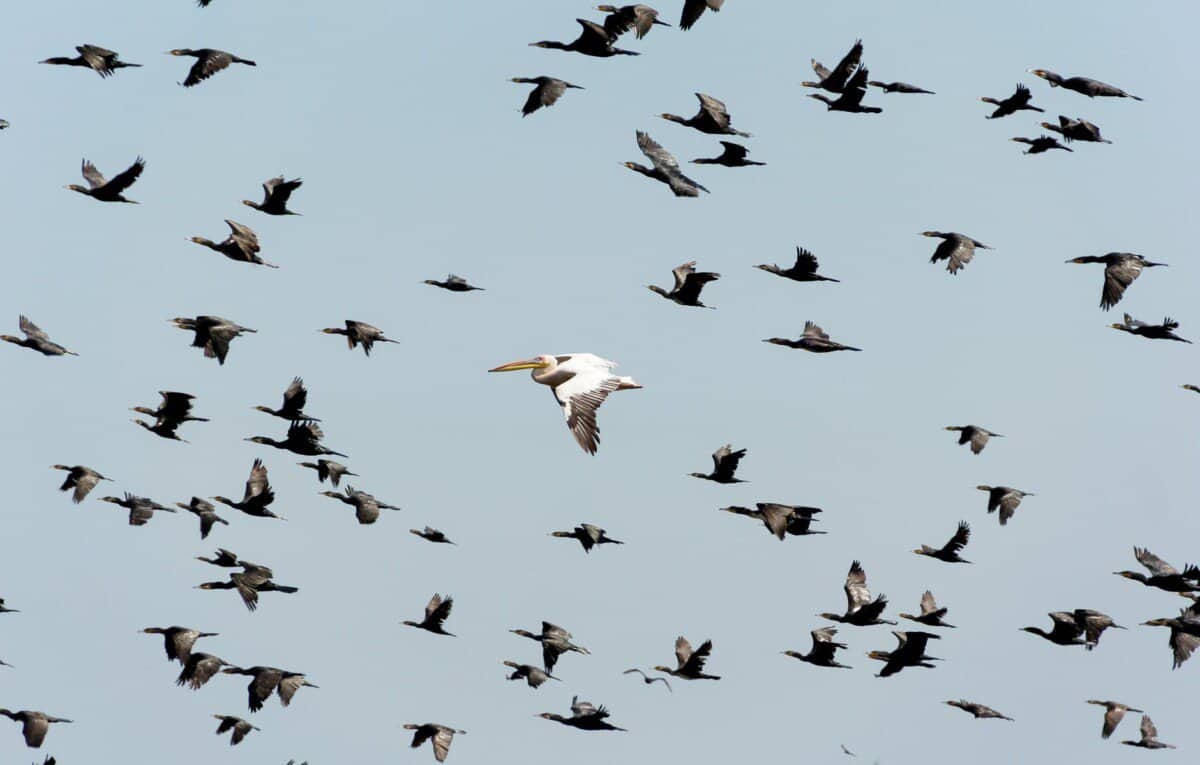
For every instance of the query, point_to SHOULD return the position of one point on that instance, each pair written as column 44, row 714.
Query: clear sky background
column 416, row 162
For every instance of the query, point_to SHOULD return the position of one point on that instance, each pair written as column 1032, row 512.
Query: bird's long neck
column 674, row 118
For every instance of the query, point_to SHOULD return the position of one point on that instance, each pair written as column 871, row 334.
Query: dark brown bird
column 432, row 535
column 835, row 80
column 1084, row 85
column 713, row 118
column 178, row 641
column 103, row 190
column 102, row 61
column 555, row 642
column 1149, row 739
column 328, row 469
column 436, row 613
column 979, row 711
column 690, row 663
column 803, row 270
column 249, row 582
column 588, row 535
column 949, row 552
column 359, row 333
column 141, row 510
column 547, row 92
column 294, row 399
column 898, row 87
column 81, row 479
column 592, row 41
column 1018, row 101
column 303, row 438
column 1114, row 712
column 213, row 334
column 1005, row 498
column 533, row 676
column 584, row 716
column 454, row 284
column 241, row 245
column 223, row 558
column 648, row 680
column 956, row 249
column 1163, row 575
column 1164, row 331
column 974, row 435
column 665, row 168
column 861, row 611
column 236, row 724
column 440, row 735
column 1082, row 626
column 366, row 507
column 268, row 680
column 174, row 410
column 931, row 615
column 725, row 464
column 694, row 9
column 276, row 193
column 641, row 18
column 1076, row 130
column 910, row 652
column 688, row 284
column 813, row 339
column 257, row 496
column 34, row 725
column 734, row 155
column 199, row 669
column 1185, row 633
column 823, row 649
column 5, row 610
column 851, row 97
column 1041, row 144
column 1120, row 271
column 209, row 61
column 35, row 339
column 781, row 520
column 205, row 511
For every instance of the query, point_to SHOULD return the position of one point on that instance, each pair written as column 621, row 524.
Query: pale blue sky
column 416, row 162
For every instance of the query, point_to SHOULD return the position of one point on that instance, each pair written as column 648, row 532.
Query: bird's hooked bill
column 514, row 366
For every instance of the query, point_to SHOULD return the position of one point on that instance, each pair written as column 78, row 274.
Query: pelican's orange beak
column 514, row 366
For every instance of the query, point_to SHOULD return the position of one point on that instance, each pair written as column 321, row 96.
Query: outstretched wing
column 126, row 177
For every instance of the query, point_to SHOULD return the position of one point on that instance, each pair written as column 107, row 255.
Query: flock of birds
column 581, row 383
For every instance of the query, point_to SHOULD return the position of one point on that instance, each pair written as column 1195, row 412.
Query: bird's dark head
column 77, row 187
column 656, row 289
column 200, row 240
column 1083, row 259
column 1157, row 623
column 410, row 623
column 432, row 282
column 333, row 331
column 981, row 487
column 606, row 8
column 181, row 52
column 258, row 440
column 549, row 716
column 661, row 668
column 114, row 500
column 209, row 585
column 333, row 494
column 523, row 633
column 545, row 44
column 1117, row 326
column 777, row 340
column 1032, row 630
column 1047, row 75
column 830, row 616
column 935, row 234
column 248, row 203
column 698, row 475
column 1129, row 574
column 879, row 655
column 793, row 654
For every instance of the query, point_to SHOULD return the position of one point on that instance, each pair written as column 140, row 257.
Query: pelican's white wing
column 580, row 397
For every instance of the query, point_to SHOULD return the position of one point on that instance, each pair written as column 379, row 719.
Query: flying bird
column 1164, row 331
column 34, row 725
column 1082, row 626
column 1076, row 130
column 292, row 408
column 328, row 469
column 533, row 676
column 974, row 435
column 781, row 520
column 431, row 534
column 803, row 270
column 725, row 464
column 360, row 333
column 209, row 61
column 689, row 663
column 1084, row 85
column 199, row 669
column 641, row 18
column 734, row 155
column 174, row 410
column 648, row 680
column 258, row 494
column 851, row 96
column 436, row 613
column 303, row 438
column 898, row 87
column 248, row 583
column 824, row 647
column 178, row 641
column 102, row 61
column 555, row 642
column 584, row 716
column 1163, row 575
column 1041, row 144
column 236, row 724
column 440, row 735
column 366, row 507
column 141, row 509
column 665, row 168
column 956, row 249
column 1017, row 102
column 1114, row 712
column 861, row 610
column 205, row 511
column 909, row 652
column 36, row 339
column 931, row 615
column 241, row 245
column 1185, row 633
column 949, row 552
column 1149, row 733
column 1121, row 269
column 267, row 680
column 813, row 339
column 694, row 9
column 592, row 41
column 688, row 284
column 104, row 190
column 581, row 382
column 588, row 535
column 547, row 92
column 213, row 334
column 835, row 80
column 712, row 118
column 1006, row 499
column 454, row 284
column 979, row 711
column 81, row 479
column 276, row 193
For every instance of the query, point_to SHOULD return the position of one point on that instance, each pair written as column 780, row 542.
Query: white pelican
column 581, row 382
